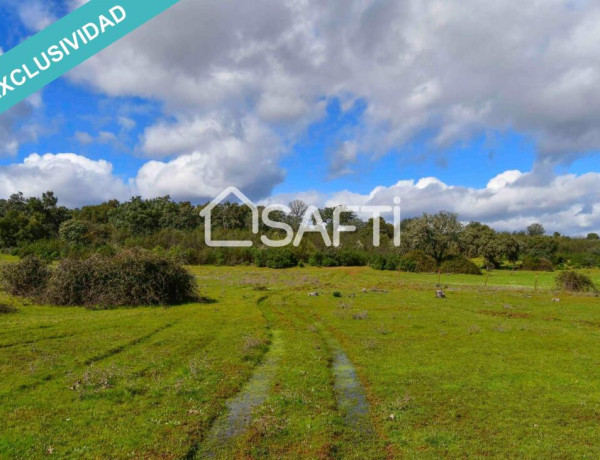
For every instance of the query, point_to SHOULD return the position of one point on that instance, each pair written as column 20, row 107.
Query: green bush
column 276, row 258
column 381, row 262
column 537, row 264
column 49, row 250
column 418, row 262
column 131, row 278
column 349, row 258
column 27, row 278
column 574, row 282
column 459, row 265
column 337, row 294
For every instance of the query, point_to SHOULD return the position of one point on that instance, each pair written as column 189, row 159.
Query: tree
column 434, row 234
column 473, row 239
column 499, row 247
column 297, row 210
column 74, row 232
column 536, row 230
column 593, row 236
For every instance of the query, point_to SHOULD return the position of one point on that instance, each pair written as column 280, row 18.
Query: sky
column 487, row 109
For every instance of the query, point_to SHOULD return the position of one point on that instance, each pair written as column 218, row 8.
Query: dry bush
column 574, row 282
column 131, row 278
column 27, row 278
column 7, row 309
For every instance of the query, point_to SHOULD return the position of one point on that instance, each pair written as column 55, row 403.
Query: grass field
column 385, row 371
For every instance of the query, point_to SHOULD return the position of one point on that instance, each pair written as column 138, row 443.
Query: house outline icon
column 206, row 213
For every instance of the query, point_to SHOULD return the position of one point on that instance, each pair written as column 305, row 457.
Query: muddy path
column 238, row 415
column 351, row 397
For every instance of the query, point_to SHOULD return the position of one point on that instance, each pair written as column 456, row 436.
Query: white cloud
column 342, row 160
column 511, row 201
column 76, row 180
column 35, row 15
column 20, row 124
column 213, row 155
column 454, row 68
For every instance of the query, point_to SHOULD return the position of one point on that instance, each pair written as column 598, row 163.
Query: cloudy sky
column 489, row 109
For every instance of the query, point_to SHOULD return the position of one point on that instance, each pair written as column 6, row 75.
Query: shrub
column 4, row 309
column 131, row 278
column 537, row 264
column 418, row 261
column 49, row 250
column 28, row 277
column 74, row 232
column 319, row 259
column 381, row 262
column 459, row 265
column 337, row 294
column 349, row 258
column 574, row 282
column 275, row 258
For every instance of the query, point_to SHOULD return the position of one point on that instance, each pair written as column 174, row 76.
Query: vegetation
column 28, row 277
column 129, row 278
column 459, row 265
column 574, row 282
column 38, row 226
column 501, row 372
column 7, row 309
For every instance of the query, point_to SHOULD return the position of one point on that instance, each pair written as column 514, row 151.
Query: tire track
column 112, row 352
column 240, row 408
column 351, row 396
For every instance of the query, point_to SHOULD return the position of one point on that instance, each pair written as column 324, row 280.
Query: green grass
column 497, row 371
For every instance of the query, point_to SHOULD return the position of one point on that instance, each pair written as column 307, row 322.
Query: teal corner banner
column 43, row 58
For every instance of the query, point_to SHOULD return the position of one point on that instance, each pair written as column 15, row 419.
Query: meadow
column 373, row 367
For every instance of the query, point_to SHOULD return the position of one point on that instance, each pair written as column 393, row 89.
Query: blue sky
column 347, row 100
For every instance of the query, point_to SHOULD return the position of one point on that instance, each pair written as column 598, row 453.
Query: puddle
column 240, row 408
column 350, row 394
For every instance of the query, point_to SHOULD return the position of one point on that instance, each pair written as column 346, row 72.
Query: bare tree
column 298, row 208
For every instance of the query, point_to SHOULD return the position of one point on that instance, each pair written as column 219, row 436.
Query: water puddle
column 350, row 394
column 240, row 408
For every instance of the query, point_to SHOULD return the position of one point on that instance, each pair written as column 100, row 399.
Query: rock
column 556, row 300
column 440, row 294
column 314, row 294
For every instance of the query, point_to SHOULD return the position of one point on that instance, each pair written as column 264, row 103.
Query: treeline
column 38, row 226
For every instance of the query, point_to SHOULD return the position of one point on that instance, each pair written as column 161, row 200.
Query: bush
column 131, row 278
column 49, row 250
column 537, row 264
column 275, row 258
column 4, row 309
column 418, row 262
column 27, row 278
column 349, row 258
column 381, row 262
column 459, row 265
column 574, row 282
column 337, row 294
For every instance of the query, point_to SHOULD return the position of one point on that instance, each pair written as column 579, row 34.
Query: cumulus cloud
column 35, row 15
column 342, row 160
column 511, row 201
column 212, row 155
column 19, row 124
column 451, row 68
column 75, row 179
